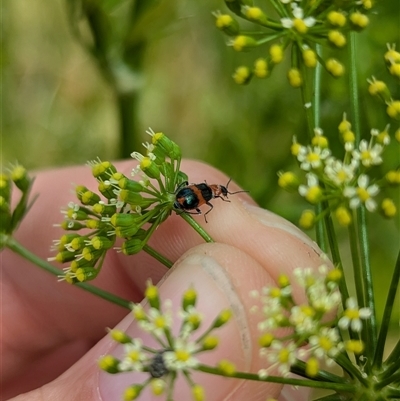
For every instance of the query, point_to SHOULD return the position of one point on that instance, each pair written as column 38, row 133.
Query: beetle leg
column 208, row 211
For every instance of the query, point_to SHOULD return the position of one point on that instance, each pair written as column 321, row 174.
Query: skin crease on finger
column 229, row 223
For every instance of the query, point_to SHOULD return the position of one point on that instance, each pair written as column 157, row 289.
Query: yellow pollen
column 363, row 194
column 134, row 355
column 352, row 313
column 365, row 155
column 283, row 355
column 159, row 322
column 313, row 157
column 299, row 25
column 325, row 343
column 182, row 355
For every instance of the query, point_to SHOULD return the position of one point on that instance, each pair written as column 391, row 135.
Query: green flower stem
column 16, row 247
column 366, row 274
column 316, row 107
column 197, row 227
column 391, row 379
column 152, row 252
column 393, row 393
column 394, row 285
column 394, row 355
column 282, row 380
column 299, row 368
column 334, row 247
column 388, row 373
column 353, row 237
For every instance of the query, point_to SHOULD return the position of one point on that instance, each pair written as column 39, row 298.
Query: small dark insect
column 191, row 197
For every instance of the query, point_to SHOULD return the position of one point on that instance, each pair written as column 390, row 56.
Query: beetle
column 191, row 197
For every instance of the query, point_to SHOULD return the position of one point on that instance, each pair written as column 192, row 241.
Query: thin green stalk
column 152, row 252
column 282, row 380
column 394, row 355
column 16, row 247
column 197, row 227
column 316, row 107
column 394, row 285
column 355, row 256
column 337, row 261
column 366, row 274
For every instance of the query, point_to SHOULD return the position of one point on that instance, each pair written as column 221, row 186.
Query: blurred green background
column 61, row 105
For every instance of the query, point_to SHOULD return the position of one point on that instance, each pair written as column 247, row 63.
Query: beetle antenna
column 232, row 193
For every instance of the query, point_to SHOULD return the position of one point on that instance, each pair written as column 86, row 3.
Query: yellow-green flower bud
column 227, row 24
column 5, row 187
column 149, row 168
column 127, row 232
column 103, row 170
column 276, row 53
column 394, row 69
column 242, row 43
column 355, row 346
column 392, row 56
column 226, row 367
column 242, row 75
column 393, row 109
column 157, row 386
column 295, row 78
column 336, row 18
column 255, row 14
column 307, row 219
column 101, row 242
column 86, row 274
column 132, row 392
column 222, row 318
column 103, row 209
column 120, row 336
column 20, row 177
column 288, row 180
column 337, row 38
column 358, row 20
column 131, row 185
column 310, row 58
column 106, row 189
column 151, row 294
column 189, row 298
column 343, row 215
column 124, row 220
column 71, row 225
column 79, row 191
column 90, row 198
column 265, row 340
column 389, row 208
column 78, row 242
column 90, row 254
column 132, row 246
column 198, row 392
column 335, row 68
column 210, row 342
column 109, row 364
column 132, row 198
column 261, row 68
column 397, row 135
column 312, row 367
column 63, row 256
column 378, row 88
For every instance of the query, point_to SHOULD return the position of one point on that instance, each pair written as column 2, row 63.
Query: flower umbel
column 299, row 26
column 177, row 355
column 124, row 208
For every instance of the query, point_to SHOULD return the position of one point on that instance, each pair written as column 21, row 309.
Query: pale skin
column 54, row 333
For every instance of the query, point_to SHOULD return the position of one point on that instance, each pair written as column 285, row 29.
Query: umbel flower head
column 346, row 183
column 123, row 208
column 311, row 323
column 177, row 354
column 298, row 25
